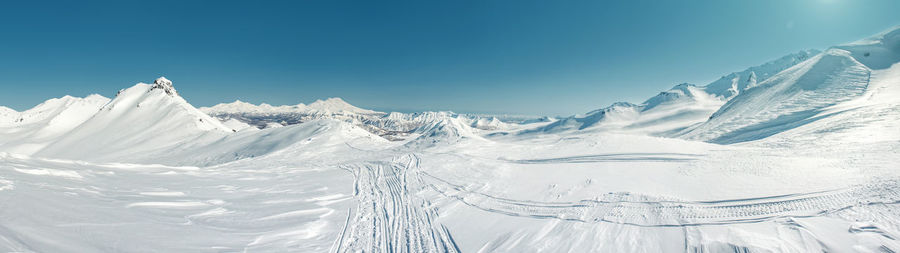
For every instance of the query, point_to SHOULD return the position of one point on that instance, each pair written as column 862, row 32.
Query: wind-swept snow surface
column 796, row 155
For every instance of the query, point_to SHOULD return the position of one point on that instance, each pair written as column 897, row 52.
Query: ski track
column 390, row 217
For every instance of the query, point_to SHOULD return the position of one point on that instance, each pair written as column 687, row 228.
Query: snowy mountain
column 328, row 106
column 733, row 84
column 678, row 108
column 267, row 116
column 616, row 115
column 394, row 125
column 442, row 131
column 31, row 130
column 790, row 98
column 145, row 119
column 796, row 155
column 798, row 95
column 752, row 104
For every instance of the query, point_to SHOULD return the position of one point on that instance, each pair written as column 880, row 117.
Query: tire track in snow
column 623, row 157
column 625, row 208
column 390, row 217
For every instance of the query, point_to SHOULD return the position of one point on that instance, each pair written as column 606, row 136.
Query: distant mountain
column 678, row 108
column 759, row 102
column 328, row 106
column 446, row 130
column 393, row 126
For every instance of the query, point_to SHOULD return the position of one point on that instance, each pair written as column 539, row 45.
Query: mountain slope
column 795, row 96
column 143, row 120
column 443, row 131
column 733, row 84
column 28, row 131
column 869, row 121
column 302, row 140
column 678, row 108
column 7, row 114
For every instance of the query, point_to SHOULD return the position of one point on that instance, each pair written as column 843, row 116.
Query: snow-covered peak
column 681, row 106
column 787, row 100
column 613, row 107
column 681, row 91
column 51, row 108
column 484, row 123
column 446, row 130
column 166, row 85
column 733, row 84
column 327, row 106
column 159, row 100
column 142, row 118
column 236, row 106
column 336, row 105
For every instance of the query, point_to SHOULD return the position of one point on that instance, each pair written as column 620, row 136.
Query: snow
column 733, row 84
column 31, row 130
column 789, row 98
column 336, row 105
column 7, row 114
column 801, row 157
column 328, row 106
column 685, row 105
column 164, row 84
column 141, row 119
column 238, row 125
column 877, row 52
column 799, row 95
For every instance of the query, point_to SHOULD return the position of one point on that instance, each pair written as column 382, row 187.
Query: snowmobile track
column 624, row 157
column 632, row 209
column 392, row 217
column 389, row 216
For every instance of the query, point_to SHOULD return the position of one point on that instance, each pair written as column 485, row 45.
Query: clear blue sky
column 531, row 57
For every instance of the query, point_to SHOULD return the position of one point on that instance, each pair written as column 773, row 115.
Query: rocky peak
column 165, row 85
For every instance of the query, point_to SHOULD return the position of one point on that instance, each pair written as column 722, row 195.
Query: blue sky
column 528, row 57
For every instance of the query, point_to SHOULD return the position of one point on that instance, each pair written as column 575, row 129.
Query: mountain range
column 798, row 154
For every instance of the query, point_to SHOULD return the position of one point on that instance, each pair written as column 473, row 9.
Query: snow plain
column 797, row 155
